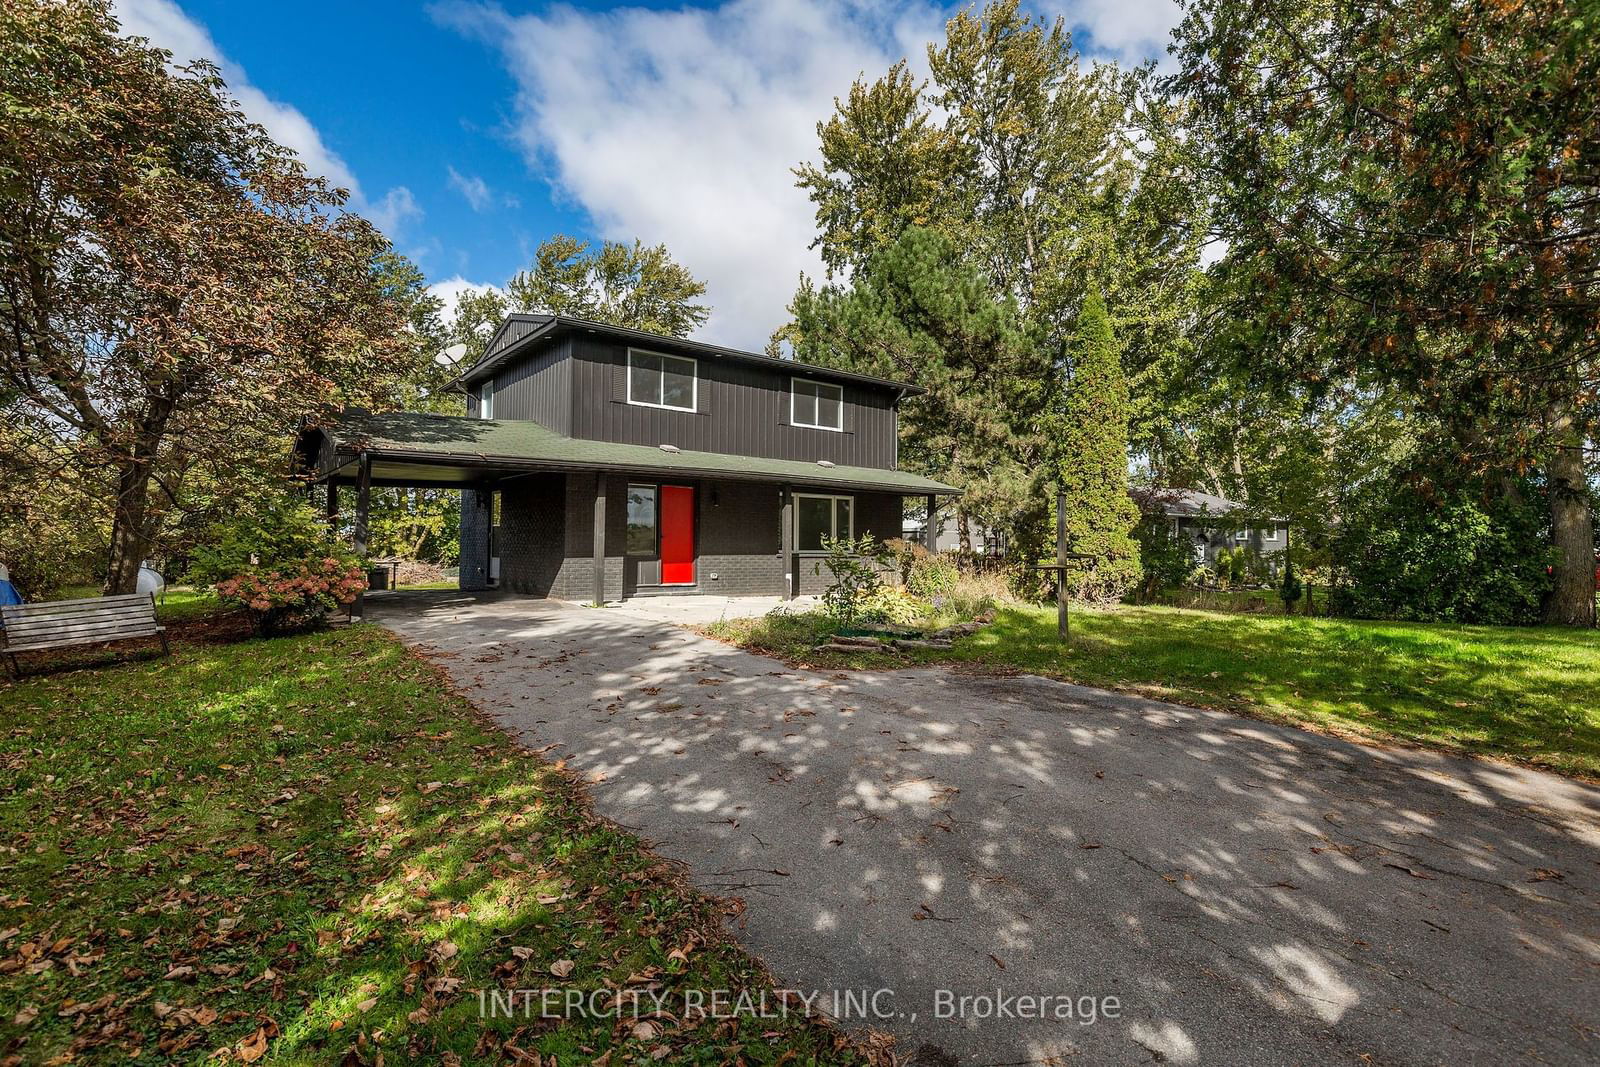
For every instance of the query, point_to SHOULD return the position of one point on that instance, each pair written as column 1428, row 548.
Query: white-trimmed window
column 486, row 399
column 1272, row 534
column 659, row 381
column 817, row 517
column 816, row 404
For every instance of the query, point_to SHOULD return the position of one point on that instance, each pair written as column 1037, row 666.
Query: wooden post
column 599, row 538
column 786, row 540
column 333, row 509
column 363, row 510
column 930, row 531
column 1063, row 627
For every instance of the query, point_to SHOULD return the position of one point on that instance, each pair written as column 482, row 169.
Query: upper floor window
column 816, row 404
column 661, row 381
column 486, row 399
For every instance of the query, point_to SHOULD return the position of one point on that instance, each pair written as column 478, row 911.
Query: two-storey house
column 598, row 462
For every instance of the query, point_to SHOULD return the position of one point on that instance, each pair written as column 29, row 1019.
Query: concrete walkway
column 1247, row 893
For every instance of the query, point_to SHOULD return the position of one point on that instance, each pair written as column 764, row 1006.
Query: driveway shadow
column 1245, row 893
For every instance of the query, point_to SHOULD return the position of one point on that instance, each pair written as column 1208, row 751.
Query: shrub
column 1475, row 552
column 853, row 564
column 278, row 563
column 1166, row 556
column 902, row 555
column 1290, row 590
column 932, row 576
column 890, row 604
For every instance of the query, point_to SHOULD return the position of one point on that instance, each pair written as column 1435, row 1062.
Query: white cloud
column 682, row 126
column 396, row 208
column 474, row 188
column 451, row 290
column 166, row 26
column 1132, row 29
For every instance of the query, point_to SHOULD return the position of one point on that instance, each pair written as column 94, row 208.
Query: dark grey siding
column 515, row 331
column 742, row 410
column 538, row 388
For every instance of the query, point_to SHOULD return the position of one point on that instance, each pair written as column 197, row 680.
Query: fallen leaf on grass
column 253, row 1047
column 562, row 968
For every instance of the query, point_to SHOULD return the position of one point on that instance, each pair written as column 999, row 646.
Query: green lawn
column 306, row 849
column 1527, row 694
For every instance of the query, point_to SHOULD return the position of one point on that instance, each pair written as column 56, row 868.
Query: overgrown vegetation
column 1524, row 694
column 307, row 850
column 278, row 561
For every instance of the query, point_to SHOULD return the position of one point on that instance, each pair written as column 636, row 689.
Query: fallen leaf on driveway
column 998, row 962
column 1408, row 870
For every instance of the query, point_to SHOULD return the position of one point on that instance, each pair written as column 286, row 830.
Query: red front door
column 677, row 535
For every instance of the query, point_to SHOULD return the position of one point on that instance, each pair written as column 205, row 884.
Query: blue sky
column 470, row 131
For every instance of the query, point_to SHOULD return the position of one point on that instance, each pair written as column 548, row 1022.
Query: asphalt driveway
column 1246, row 893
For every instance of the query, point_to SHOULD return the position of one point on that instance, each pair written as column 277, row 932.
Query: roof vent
column 674, row 449
column 824, row 462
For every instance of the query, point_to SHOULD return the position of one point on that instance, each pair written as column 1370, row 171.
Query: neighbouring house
column 948, row 534
column 598, row 463
column 1212, row 522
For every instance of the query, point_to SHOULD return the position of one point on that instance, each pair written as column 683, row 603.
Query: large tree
column 175, row 291
column 1411, row 193
column 636, row 286
column 1058, row 176
column 923, row 313
column 1088, row 449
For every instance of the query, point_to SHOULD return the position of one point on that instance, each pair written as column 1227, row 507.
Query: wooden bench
column 64, row 623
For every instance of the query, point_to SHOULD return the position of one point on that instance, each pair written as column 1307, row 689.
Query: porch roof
column 417, row 448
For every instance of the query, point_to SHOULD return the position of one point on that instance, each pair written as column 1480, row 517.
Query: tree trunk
column 1571, row 602
column 131, row 525
column 130, row 536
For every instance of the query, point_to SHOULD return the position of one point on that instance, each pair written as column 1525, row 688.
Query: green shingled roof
column 454, row 440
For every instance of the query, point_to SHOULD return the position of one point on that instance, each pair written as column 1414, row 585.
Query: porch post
column 930, row 532
column 786, row 540
column 363, row 508
column 333, row 508
column 599, row 538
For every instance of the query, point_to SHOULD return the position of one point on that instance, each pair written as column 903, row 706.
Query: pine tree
column 1091, row 459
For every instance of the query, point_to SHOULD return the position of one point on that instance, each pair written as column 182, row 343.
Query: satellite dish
column 449, row 357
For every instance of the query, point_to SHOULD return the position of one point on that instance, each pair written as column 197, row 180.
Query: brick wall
column 740, row 540
column 532, row 533
column 474, row 539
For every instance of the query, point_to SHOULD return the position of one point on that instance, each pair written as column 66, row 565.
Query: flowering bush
column 279, row 564
column 294, row 596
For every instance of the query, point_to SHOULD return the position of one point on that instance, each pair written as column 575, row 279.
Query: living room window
column 817, row 517
column 659, row 381
column 816, row 404
column 641, row 520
